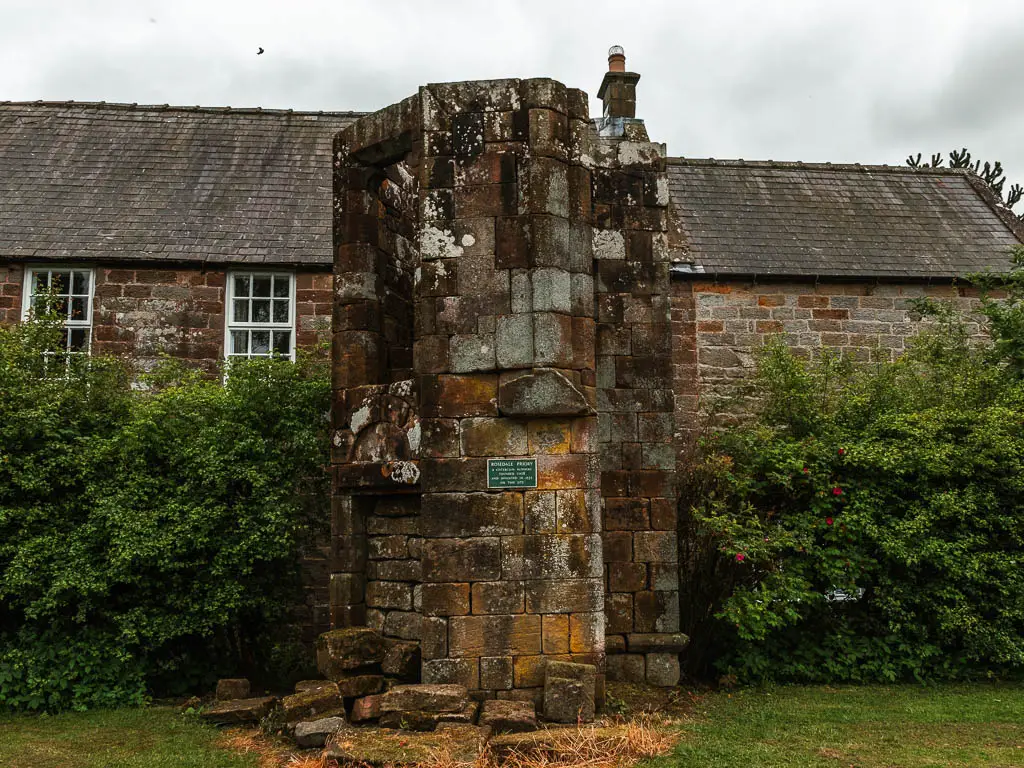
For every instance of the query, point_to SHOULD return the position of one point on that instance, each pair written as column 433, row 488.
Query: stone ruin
column 504, row 438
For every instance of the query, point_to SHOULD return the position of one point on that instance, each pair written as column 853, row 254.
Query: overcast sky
column 816, row 80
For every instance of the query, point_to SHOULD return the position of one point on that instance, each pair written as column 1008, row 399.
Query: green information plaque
column 511, row 473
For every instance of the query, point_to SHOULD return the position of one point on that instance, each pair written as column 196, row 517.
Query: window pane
column 78, row 308
column 261, row 310
column 79, row 339
column 241, row 285
column 41, row 281
column 261, row 342
column 261, row 285
column 60, row 306
column 280, row 311
column 283, row 342
column 281, row 286
column 61, row 282
column 241, row 311
column 239, row 342
column 81, row 283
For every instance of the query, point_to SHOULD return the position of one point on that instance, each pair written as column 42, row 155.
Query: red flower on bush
column 806, row 471
column 740, row 557
column 837, row 491
column 842, row 451
column 828, row 521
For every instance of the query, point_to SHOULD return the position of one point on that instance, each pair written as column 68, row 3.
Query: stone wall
column 717, row 326
column 522, row 229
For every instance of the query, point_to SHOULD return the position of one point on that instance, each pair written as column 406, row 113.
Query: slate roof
column 794, row 219
column 121, row 181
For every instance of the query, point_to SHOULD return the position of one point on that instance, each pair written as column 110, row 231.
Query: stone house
column 527, row 306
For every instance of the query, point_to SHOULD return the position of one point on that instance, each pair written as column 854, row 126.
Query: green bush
column 149, row 539
column 867, row 523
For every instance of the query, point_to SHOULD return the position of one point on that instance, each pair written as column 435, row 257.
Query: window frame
column 229, row 309
column 28, row 285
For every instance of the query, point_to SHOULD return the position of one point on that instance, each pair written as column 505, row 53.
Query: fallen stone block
column 402, row 661
column 418, row 720
column 315, row 733
column 310, row 685
column 508, row 716
column 343, row 650
column 319, row 702
column 360, row 685
column 231, row 689
column 239, row 711
column 364, row 709
column 425, row 698
column 569, row 692
column 368, row 746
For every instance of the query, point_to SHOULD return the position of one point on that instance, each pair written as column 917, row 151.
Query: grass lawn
column 969, row 725
column 157, row 737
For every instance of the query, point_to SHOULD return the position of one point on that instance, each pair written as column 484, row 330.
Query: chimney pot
column 616, row 59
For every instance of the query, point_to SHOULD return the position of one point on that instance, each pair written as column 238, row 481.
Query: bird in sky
column 259, row 51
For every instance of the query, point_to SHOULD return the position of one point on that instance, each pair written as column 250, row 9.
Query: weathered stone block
column 365, row 709
column 230, row 689
column 315, row 733
column 342, row 650
column 552, row 340
column 569, row 692
column 309, row 685
column 473, row 352
column 618, row 613
column 425, row 698
column 360, row 685
column 439, row 438
column 496, row 673
column 464, row 672
column 586, row 632
column 627, row 577
column 663, row 669
column 626, row 668
column 508, row 716
column 561, row 557
column 417, row 720
column 403, row 624
column 434, row 637
column 555, row 630
column 443, row 599
column 564, row 595
column 459, row 560
column 656, row 612
column 402, row 661
column 462, row 396
column 498, row 597
column 389, row 594
column 542, row 392
column 658, row 643
column 549, row 436
column 514, row 339
column 493, row 437
column 474, row 636
column 323, row 701
column 239, row 711
column 573, row 515
column 528, row 673
column 655, row 546
column 541, row 511
column 451, row 515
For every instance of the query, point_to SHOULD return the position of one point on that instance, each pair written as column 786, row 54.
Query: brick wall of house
column 717, row 326
column 11, row 277
column 142, row 311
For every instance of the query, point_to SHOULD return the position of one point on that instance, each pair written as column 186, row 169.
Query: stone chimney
column 618, row 92
column 618, row 89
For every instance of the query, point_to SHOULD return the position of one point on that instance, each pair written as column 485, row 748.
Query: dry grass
column 581, row 747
